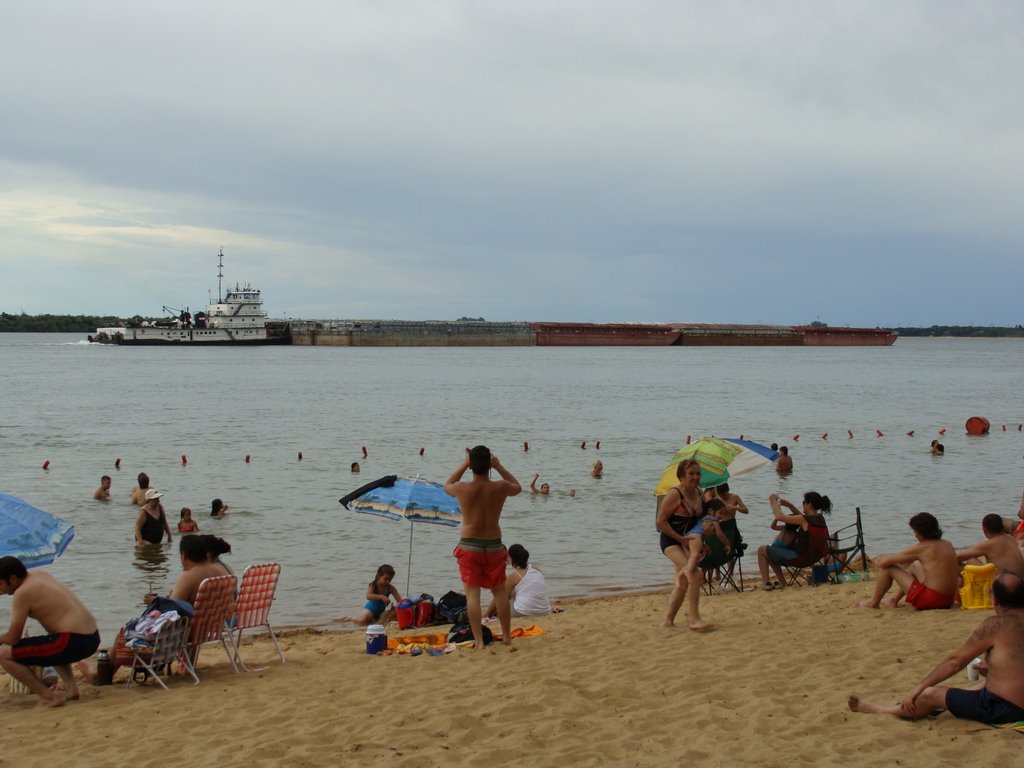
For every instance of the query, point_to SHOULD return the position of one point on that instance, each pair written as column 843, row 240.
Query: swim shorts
column 375, row 607
column 983, row 706
column 481, row 562
column 925, row 598
column 55, row 650
column 780, row 555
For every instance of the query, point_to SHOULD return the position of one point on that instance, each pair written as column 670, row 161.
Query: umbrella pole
column 408, row 567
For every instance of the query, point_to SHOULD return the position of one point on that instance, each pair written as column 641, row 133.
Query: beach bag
column 451, row 608
column 462, row 633
column 425, row 611
column 405, row 614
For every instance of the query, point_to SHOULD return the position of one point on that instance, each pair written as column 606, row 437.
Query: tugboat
column 236, row 318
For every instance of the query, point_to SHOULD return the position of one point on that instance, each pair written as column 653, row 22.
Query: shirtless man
column 138, row 493
column 480, row 553
column 597, row 470
column 544, row 489
column 998, row 547
column 931, row 578
column 103, row 492
column 73, row 634
column 1000, row 639
column 784, row 464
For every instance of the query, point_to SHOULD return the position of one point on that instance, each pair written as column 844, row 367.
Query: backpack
column 462, row 633
column 451, row 608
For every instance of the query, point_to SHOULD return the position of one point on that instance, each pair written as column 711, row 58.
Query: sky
column 854, row 163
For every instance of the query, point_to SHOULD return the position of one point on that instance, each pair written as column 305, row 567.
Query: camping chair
column 213, row 606
column 815, row 554
column 168, row 646
column 255, row 596
column 725, row 562
column 845, row 545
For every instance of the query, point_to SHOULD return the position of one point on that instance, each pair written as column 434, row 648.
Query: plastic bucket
column 405, row 614
column 376, row 638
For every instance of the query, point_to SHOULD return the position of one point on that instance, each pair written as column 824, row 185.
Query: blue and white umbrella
column 28, row 533
column 405, row 498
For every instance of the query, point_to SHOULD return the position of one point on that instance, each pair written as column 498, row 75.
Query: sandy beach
column 605, row 685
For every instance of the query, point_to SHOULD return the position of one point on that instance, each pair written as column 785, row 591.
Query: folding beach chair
column 255, row 596
column 815, row 554
column 168, row 646
column 213, row 606
column 726, row 563
column 846, row 545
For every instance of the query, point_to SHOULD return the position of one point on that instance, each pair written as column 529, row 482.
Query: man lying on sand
column 931, row 578
column 1000, row 698
column 73, row 630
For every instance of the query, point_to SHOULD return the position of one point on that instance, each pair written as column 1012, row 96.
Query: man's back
column 187, row 586
column 481, row 501
column 941, row 567
column 53, row 605
column 1002, row 551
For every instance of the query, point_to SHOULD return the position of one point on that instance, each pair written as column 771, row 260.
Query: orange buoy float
column 849, row 433
column 46, row 464
column 825, row 436
column 977, row 425
column 942, row 431
column 597, row 445
column 365, row 454
column 910, row 433
column 1004, row 427
column 741, row 437
column 300, row 455
column 421, row 451
column 687, row 439
column 796, row 438
column 1020, row 427
column 117, row 463
column 879, row 433
column 247, row 457
column 526, row 446
column 184, row 459
column 583, row 445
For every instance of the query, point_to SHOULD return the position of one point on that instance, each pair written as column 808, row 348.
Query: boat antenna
column 220, row 274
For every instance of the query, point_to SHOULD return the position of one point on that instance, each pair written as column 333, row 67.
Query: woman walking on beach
column 679, row 512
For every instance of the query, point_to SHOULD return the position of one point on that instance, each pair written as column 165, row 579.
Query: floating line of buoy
column 910, row 433
column 879, row 433
column 117, row 463
column 365, row 454
column 300, row 455
column 597, row 446
column 849, row 434
column 247, row 457
column 796, row 438
column 184, row 459
column 46, row 464
column 583, row 445
column 977, row 425
column 526, row 446
column 825, row 436
column 421, row 451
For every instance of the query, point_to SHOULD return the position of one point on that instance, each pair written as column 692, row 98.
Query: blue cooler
column 376, row 638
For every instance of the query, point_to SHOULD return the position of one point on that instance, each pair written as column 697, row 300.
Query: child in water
column 378, row 598
column 187, row 524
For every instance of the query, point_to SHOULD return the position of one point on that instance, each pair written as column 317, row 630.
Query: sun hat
column 153, row 493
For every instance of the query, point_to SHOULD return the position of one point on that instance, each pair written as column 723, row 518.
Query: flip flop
column 768, row 587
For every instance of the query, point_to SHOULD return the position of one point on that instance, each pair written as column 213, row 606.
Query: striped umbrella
column 720, row 458
column 28, row 533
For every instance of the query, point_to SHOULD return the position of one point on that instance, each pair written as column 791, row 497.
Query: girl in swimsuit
column 679, row 510
column 378, row 597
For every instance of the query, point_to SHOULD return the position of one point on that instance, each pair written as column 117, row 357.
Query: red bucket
column 405, row 614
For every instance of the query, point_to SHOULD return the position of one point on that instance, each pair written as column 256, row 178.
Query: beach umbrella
column 28, row 533
column 405, row 498
column 720, row 458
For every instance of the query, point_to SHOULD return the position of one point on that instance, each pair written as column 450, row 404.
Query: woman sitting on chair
column 795, row 541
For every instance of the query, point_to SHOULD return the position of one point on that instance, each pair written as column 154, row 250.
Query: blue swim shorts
column 983, row 706
column 780, row 555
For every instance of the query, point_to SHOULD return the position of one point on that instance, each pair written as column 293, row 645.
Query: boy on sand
column 480, row 553
column 73, row 634
column 1000, row 639
column 930, row 580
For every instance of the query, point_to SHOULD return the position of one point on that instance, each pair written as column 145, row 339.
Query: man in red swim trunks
column 73, row 629
column 929, row 579
column 480, row 553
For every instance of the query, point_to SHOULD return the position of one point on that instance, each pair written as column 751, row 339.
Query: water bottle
column 972, row 670
column 104, row 669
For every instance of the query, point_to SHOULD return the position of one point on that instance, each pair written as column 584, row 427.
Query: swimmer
column 103, row 492
column 544, row 489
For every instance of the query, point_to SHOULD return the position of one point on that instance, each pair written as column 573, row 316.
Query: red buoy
column 117, row 463
column 1004, row 427
column 247, row 458
column 741, row 437
column 1020, row 427
column 942, row 431
column 878, row 433
column 825, row 436
column 687, row 439
column 46, row 464
column 583, row 445
column 977, row 425
column 421, row 451
column 184, row 459
column 526, row 446
column 910, row 433
column 365, row 454
column 597, row 445
column 849, row 433
column 796, row 438
column 300, row 455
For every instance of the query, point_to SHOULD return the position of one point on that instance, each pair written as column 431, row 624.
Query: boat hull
column 166, row 337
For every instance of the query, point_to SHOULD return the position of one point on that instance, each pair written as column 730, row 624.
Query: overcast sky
column 858, row 163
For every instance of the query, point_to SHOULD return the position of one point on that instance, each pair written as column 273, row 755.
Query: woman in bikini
column 679, row 511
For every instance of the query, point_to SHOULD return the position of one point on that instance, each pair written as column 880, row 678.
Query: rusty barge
column 479, row 333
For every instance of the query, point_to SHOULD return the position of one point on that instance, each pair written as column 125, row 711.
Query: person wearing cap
column 151, row 522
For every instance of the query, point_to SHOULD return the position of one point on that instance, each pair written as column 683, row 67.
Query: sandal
column 768, row 587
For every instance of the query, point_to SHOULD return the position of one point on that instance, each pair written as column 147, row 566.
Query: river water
column 82, row 406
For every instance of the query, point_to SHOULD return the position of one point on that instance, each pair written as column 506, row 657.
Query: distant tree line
column 964, row 331
column 53, row 323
